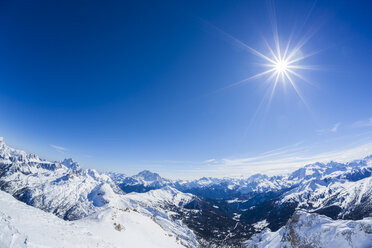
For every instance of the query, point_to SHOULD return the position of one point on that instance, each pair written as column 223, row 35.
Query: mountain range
column 317, row 205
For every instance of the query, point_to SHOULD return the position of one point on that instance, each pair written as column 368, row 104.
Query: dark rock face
column 331, row 211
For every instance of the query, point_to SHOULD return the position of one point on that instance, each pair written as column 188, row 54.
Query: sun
column 281, row 66
column 282, row 61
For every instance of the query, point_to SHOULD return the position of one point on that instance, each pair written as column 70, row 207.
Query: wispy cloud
column 273, row 162
column 210, row 161
column 284, row 161
column 279, row 161
column 58, row 148
column 333, row 129
column 362, row 123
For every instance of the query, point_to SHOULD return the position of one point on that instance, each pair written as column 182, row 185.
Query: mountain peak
column 148, row 175
column 257, row 177
column 7, row 152
column 2, row 143
column 368, row 158
column 69, row 163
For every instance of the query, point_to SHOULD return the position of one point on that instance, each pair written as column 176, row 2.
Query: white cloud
column 334, row 129
column 210, row 161
column 58, row 148
column 274, row 162
column 363, row 123
column 279, row 161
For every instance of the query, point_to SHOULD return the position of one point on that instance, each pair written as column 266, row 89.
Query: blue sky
column 127, row 86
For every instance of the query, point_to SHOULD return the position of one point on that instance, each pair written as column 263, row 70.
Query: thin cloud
column 210, row 161
column 278, row 161
column 274, row 163
column 363, row 123
column 334, row 129
column 58, row 148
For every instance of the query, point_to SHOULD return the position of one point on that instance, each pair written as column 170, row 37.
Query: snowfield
column 25, row 226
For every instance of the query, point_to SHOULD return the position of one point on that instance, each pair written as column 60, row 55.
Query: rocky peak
column 147, row 175
column 69, row 163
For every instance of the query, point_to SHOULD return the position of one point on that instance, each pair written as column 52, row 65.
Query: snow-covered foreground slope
column 25, row 226
column 72, row 193
column 316, row 231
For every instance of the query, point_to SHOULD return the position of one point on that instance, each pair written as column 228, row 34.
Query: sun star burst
column 282, row 65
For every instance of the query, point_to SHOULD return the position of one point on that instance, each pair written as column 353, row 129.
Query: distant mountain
column 213, row 188
column 143, row 182
column 337, row 190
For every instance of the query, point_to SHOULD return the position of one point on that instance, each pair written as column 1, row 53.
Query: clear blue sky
column 132, row 85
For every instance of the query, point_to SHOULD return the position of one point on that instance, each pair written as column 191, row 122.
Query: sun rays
column 282, row 65
column 283, row 62
column 280, row 62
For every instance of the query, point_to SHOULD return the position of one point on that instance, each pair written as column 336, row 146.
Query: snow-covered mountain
column 25, row 226
column 338, row 190
column 316, row 231
column 72, row 193
column 207, row 212
column 214, row 188
column 143, row 182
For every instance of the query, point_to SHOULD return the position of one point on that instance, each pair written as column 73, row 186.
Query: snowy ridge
column 345, row 187
column 166, row 195
column 316, row 231
column 254, row 183
column 352, row 171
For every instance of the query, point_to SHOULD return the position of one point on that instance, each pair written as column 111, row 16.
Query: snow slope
column 72, row 193
column 25, row 226
column 316, row 231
